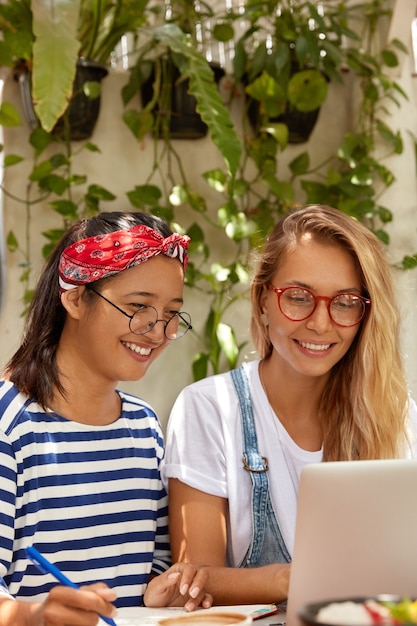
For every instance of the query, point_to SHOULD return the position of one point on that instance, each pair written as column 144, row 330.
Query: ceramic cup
column 203, row 618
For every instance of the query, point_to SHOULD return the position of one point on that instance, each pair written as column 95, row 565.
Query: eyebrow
column 148, row 294
column 298, row 283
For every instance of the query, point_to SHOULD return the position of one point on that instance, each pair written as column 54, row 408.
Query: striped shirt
column 90, row 498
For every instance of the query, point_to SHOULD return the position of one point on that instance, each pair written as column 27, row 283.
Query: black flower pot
column 300, row 124
column 82, row 112
column 180, row 107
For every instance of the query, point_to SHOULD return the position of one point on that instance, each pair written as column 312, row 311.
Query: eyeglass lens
column 146, row 317
column 298, row 304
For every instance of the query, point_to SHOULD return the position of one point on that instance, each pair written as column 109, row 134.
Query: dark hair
column 33, row 368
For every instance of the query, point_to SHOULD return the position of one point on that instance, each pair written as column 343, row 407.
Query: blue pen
column 47, row 567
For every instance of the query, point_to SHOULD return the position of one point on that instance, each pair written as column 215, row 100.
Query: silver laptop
column 356, row 532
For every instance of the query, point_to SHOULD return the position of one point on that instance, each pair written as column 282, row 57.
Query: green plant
column 259, row 178
column 47, row 37
column 177, row 192
column 52, row 180
column 286, row 61
column 353, row 179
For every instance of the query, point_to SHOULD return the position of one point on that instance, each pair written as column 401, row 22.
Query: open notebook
column 356, row 532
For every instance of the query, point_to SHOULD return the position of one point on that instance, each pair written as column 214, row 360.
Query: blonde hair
column 364, row 407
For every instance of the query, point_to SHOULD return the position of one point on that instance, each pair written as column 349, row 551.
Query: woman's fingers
column 78, row 607
column 184, row 584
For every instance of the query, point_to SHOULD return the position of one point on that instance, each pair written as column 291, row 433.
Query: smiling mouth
column 137, row 349
column 314, row 346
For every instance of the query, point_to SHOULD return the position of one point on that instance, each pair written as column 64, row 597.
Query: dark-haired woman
column 79, row 460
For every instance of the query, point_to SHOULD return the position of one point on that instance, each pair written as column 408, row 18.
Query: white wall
column 126, row 163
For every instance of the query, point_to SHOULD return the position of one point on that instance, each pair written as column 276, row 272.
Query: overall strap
column 267, row 544
column 254, row 463
column 252, row 460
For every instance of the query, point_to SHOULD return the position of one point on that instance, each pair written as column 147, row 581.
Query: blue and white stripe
column 89, row 497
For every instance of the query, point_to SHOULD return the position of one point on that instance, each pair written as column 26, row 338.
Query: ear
column 263, row 300
column 72, row 301
column 264, row 319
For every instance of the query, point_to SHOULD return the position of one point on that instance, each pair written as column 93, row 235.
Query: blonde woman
column 329, row 385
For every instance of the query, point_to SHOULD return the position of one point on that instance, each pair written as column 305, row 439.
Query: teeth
column 137, row 349
column 315, row 346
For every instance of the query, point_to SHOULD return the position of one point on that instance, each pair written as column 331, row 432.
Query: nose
column 320, row 319
column 157, row 332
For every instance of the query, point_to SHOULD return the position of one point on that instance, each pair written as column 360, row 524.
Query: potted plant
column 59, row 52
column 159, row 71
column 286, row 57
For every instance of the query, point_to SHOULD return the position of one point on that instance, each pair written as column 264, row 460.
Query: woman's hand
column 65, row 606
column 183, row 584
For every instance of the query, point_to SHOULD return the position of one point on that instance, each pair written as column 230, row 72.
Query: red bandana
column 100, row 256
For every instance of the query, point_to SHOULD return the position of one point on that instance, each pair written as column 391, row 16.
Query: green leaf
column 361, row 175
column 178, row 195
column 390, row 58
column 97, row 191
column 227, row 340
column 139, row 122
column 223, row 32
column 239, row 61
column 409, row 262
column 77, row 179
column 269, row 93
column 55, row 53
column 316, row 193
column 283, row 190
column 16, row 26
column 53, row 235
column 91, row 147
column 9, row 115
column 203, row 87
column 279, row 132
column 238, row 187
column 300, row 164
column 66, row 208
column 220, row 272
column 400, row 45
column 240, row 227
column 307, row 90
column 12, row 159
column 144, row 195
column 11, row 242
column 216, row 179
column 200, row 366
column 385, row 215
column 382, row 236
column 92, row 89
column 394, row 139
column 196, row 233
column 54, row 183
column 414, row 140
column 40, row 140
column 41, row 170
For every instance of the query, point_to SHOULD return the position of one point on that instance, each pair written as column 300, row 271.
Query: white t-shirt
column 204, row 449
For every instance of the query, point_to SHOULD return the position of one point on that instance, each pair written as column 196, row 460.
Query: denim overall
column 267, row 545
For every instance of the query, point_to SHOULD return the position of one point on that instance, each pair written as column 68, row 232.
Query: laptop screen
column 356, row 532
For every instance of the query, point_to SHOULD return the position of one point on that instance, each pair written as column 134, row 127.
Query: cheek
column 279, row 328
column 349, row 335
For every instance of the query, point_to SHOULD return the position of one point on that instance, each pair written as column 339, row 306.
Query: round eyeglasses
column 146, row 317
column 298, row 303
